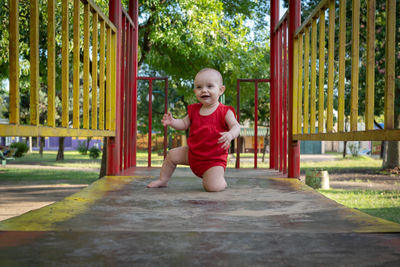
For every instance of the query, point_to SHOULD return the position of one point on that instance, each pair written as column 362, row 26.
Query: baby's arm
column 177, row 124
column 234, row 130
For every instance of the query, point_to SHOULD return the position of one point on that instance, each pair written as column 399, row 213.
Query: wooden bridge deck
column 261, row 219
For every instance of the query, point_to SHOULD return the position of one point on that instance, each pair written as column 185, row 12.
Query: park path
column 260, row 220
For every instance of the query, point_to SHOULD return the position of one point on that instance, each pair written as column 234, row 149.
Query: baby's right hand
column 167, row 119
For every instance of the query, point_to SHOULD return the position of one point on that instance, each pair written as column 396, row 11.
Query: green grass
column 72, row 159
column 348, row 164
column 380, row 203
column 47, row 176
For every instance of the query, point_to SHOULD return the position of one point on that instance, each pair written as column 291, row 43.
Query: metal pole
column 285, row 135
column 294, row 145
column 255, row 123
column 150, row 120
column 134, row 14
column 114, row 161
column 239, row 143
column 165, row 111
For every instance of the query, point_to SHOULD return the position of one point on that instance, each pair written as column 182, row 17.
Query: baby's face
column 208, row 87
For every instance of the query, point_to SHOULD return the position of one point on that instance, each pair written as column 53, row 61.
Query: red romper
column 204, row 150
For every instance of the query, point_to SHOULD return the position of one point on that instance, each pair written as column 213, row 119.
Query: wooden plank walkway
column 261, row 219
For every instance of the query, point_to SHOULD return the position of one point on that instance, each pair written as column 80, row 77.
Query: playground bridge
column 282, row 219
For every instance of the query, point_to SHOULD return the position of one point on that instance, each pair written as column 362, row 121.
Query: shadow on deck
column 261, row 219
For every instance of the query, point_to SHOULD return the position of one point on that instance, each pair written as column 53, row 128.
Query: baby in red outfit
column 212, row 128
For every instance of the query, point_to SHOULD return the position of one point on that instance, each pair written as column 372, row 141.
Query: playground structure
column 263, row 219
column 114, row 90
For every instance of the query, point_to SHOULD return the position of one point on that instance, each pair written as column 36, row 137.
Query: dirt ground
column 18, row 198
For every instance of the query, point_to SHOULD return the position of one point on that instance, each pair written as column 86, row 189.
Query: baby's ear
column 221, row 89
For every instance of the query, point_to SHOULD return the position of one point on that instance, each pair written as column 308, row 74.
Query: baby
column 212, row 128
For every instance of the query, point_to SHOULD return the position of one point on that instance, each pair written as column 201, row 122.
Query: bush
column 82, row 148
column 22, row 148
column 94, row 152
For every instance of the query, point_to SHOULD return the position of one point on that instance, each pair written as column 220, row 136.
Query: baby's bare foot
column 158, row 183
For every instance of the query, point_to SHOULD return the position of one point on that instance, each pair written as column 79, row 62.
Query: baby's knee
column 215, row 187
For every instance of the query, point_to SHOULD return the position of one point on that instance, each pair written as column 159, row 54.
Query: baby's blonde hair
column 215, row 71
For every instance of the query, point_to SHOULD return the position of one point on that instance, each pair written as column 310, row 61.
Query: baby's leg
column 214, row 180
column 174, row 157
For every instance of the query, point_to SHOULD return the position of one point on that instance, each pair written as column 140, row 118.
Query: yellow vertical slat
column 355, row 50
column 313, row 73
column 94, row 69
column 65, row 65
column 295, row 84
column 331, row 47
column 390, row 50
column 108, row 81
column 306, row 79
column 51, row 64
column 369, row 93
column 34, row 62
column 76, row 62
column 113, row 79
column 321, row 69
column 14, row 62
column 342, row 63
column 300, row 85
column 86, row 66
column 102, row 73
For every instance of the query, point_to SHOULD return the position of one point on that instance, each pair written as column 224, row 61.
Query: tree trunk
column 391, row 157
column 41, row 145
column 344, row 148
column 103, row 168
column 266, row 143
column 88, row 142
column 60, row 153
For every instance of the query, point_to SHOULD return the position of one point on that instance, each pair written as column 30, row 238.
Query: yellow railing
column 305, row 85
column 102, row 86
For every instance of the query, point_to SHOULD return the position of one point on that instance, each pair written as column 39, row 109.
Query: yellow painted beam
column 331, row 71
column 295, row 72
column 369, row 94
column 32, row 130
column 34, row 62
column 14, row 62
column 306, row 79
column 76, row 64
column 95, row 36
column 355, row 51
column 113, row 79
column 390, row 55
column 313, row 73
column 108, row 80
column 102, row 73
column 86, row 66
column 65, row 65
column 342, row 64
column 370, row 135
column 321, row 69
column 300, row 85
column 51, row 64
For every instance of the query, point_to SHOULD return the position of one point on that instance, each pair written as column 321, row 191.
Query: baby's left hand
column 225, row 139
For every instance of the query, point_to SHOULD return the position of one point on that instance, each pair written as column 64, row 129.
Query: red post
column 273, row 69
column 114, row 144
column 280, row 102
column 255, row 123
column 134, row 14
column 239, row 143
column 123, row 80
column 294, row 145
column 285, row 97
column 150, row 121
column 165, row 111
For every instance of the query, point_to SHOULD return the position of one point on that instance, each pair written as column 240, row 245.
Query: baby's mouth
column 205, row 96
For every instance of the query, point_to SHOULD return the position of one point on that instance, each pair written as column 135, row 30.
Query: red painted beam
column 293, row 145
